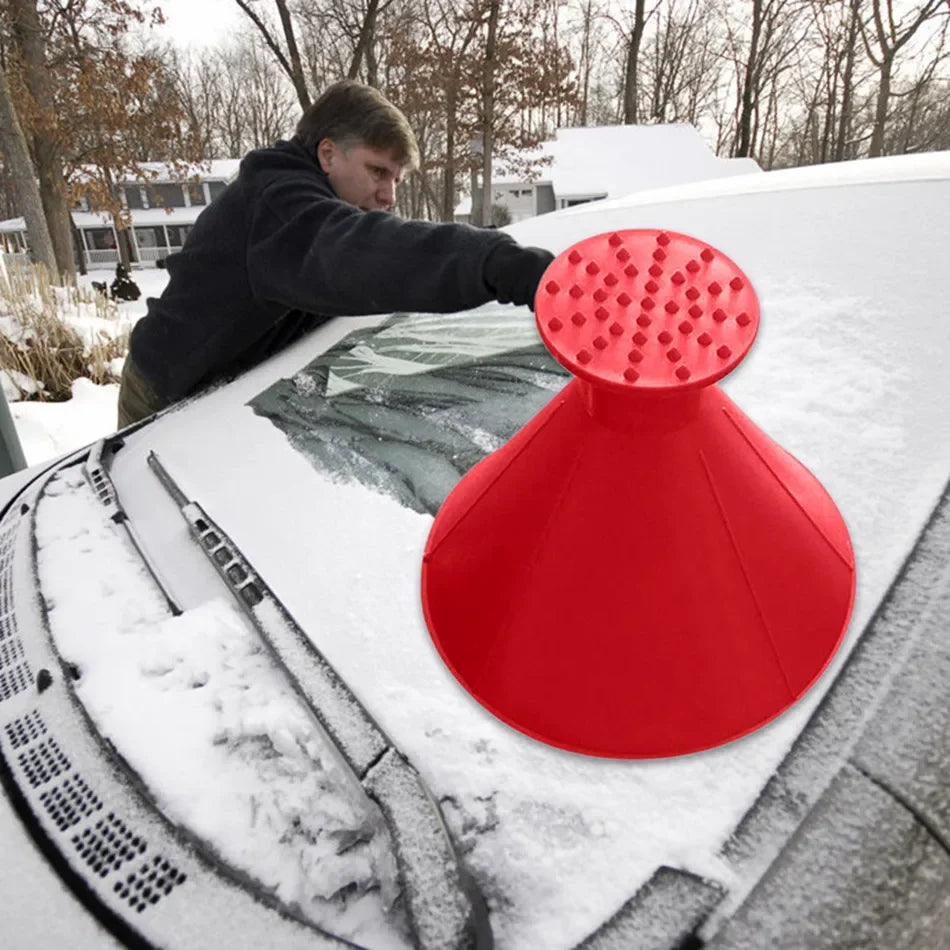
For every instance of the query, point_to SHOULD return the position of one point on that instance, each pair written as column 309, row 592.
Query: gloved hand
column 513, row 272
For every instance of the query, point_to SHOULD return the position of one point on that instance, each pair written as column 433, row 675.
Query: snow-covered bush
column 52, row 335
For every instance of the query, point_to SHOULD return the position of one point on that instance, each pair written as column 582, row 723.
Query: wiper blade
column 95, row 472
column 446, row 910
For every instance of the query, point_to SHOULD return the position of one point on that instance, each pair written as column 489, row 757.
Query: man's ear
column 326, row 149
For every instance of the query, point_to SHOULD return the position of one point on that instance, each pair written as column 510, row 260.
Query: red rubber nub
column 646, row 310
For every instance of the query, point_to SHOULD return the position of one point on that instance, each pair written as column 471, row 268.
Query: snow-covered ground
column 49, row 429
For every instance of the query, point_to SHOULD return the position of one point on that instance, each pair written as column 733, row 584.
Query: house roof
column 141, row 218
column 616, row 160
column 221, row 169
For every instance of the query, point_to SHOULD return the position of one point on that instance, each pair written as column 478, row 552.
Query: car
column 223, row 720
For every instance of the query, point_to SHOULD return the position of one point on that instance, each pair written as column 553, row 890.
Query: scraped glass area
column 409, row 406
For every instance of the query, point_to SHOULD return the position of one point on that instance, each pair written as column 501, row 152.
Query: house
column 162, row 208
column 587, row 164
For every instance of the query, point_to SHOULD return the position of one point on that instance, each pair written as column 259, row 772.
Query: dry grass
column 36, row 340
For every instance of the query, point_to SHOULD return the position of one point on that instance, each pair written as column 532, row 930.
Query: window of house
column 216, row 187
column 150, row 237
column 100, row 239
column 177, row 234
column 196, row 192
column 134, row 197
column 570, row 202
column 166, row 196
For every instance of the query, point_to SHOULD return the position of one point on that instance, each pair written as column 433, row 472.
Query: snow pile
column 50, row 429
column 211, row 726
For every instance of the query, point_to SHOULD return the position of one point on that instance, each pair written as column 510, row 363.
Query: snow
column 249, row 770
column 617, row 160
column 48, row 430
column 847, row 374
column 611, row 159
column 16, row 385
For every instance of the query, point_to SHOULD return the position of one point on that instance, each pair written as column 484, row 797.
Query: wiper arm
column 445, row 908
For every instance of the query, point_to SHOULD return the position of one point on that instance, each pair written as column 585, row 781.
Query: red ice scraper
column 640, row 571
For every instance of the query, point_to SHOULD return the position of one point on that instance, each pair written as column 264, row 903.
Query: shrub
column 49, row 334
column 500, row 215
column 123, row 287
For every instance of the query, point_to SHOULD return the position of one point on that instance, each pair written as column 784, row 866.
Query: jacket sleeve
column 311, row 251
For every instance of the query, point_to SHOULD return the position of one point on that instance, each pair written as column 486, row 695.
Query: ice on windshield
column 411, row 406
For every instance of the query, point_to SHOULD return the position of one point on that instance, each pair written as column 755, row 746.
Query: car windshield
column 327, row 465
column 409, row 406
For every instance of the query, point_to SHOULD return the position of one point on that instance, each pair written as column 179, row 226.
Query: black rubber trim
column 114, row 924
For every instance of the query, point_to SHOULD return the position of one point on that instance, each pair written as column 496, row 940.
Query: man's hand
column 513, row 272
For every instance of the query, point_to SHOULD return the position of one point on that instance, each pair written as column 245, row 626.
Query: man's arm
column 308, row 250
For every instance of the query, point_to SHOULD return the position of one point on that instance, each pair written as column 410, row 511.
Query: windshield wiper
column 445, row 908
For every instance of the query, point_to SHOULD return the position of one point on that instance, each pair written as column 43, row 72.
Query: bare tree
column 884, row 38
column 845, row 118
column 589, row 14
column 288, row 59
column 234, row 98
column 450, row 36
column 681, row 71
column 365, row 36
column 632, row 32
column 761, row 55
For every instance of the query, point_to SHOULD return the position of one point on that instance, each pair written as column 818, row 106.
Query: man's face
column 363, row 176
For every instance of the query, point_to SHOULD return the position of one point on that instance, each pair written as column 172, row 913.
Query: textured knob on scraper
column 640, row 571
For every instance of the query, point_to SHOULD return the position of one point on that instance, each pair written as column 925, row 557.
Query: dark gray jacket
column 276, row 254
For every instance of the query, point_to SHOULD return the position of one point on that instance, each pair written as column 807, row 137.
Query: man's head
column 362, row 142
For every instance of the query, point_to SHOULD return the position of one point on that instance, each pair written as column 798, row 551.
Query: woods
column 90, row 94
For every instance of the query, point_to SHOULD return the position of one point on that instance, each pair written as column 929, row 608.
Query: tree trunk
column 16, row 157
column 847, row 89
column 477, row 217
column 633, row 58
column 125, row 248
column 78, row 248
column 488, row 110
column 880, row 112
column 585, row 64
column 296, row 68
column 447, row 209
column 292, row 66
column 749, row 93
column 47, row 156
column 363, row 43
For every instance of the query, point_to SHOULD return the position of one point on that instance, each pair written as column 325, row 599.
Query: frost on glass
column 411, row 405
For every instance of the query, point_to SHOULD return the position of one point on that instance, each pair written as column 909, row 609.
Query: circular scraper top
column 646, row 310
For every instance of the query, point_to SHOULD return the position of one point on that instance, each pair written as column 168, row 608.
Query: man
column 304, row 234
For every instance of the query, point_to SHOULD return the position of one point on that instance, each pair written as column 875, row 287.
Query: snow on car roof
column 847, row 373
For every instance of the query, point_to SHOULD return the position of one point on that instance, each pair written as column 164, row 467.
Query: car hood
column 848, row 374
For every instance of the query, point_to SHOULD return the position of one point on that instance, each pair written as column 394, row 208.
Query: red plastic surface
column 640, row 571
